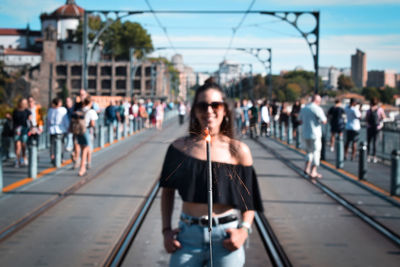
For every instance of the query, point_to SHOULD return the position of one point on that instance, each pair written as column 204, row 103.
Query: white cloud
column 383, row 51
column 334, row 2
column 28, row 10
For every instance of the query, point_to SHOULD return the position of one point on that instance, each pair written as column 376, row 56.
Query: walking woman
column 235, row 189
column 21, row 122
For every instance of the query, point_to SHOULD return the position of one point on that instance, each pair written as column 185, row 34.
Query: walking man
column 353, row 127
column 311, row 117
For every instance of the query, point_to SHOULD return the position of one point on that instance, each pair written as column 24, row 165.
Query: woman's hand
column 236, row 238
column 170, row 243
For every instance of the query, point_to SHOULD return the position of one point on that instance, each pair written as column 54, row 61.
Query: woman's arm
column 238, row 236
column 167, row 206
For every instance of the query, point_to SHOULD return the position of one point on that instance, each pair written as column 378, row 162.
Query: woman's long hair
column 226, row 127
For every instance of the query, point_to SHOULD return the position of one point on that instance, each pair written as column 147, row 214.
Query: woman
column 57, row 123
column 21, row 123
column 235, row 187
column 85, row 140
column 375, row 116
column 294, row 117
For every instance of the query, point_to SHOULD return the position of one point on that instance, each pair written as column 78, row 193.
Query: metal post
column 281, row 130
column 125, row 133
column 339, row 152
column 131, row 126
column 110, row 133
column 58, row 151
column 32, row 161
column 395, row 173
column 85, row 49
column 1, row 170
column 118, row 131
column 323, row 143
column 383, row 142
column 289, row 132
column 101, row 136
column 362, row 161
column 298, row 137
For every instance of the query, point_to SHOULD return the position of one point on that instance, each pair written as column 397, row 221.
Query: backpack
column 373, row 118
column 78, row 123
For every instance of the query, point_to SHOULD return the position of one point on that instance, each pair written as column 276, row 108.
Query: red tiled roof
column 10, row 31
column 9, row 51
column 70, row 9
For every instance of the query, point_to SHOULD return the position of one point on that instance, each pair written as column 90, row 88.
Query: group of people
column 257, row 118
column 73, row 122
column 149, row 114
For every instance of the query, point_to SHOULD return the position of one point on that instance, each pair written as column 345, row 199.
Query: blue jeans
column 195, row 246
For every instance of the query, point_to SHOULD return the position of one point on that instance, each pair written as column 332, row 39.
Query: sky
column 373, row 26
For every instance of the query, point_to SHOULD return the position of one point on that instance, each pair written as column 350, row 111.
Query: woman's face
column 210, row 110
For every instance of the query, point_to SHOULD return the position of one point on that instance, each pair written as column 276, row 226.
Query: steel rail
column 274, row 249
column 121, row 249
column 11, row 229
column 382, row 229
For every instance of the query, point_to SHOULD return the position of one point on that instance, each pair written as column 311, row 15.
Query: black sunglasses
column 203, row 106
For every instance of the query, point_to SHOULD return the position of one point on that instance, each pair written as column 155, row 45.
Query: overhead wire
column 234, row 30
column 161, row 25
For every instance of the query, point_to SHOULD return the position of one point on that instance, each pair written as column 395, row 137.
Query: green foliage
column 370, row 93
column 387, row 94
column 118, row 38
column 345, row 82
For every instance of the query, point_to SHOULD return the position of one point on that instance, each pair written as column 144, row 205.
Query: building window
column 91, row 84
column 106, row 84
column 121, row 84
column 106, row 70
column 92, row 70
column 76, row 83
column 76, row 70
column 136, row 84
column 61, row 83
column 138, row 72
column 61, row 70
column 148, row 71
column 121, row 71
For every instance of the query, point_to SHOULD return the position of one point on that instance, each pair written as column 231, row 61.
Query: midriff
column 201, row 209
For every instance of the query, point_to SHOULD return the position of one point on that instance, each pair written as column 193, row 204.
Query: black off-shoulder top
column 234, row 185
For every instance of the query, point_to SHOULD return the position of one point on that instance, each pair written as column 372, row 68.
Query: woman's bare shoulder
column 242, row 152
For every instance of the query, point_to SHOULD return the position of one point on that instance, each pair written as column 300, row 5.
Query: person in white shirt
column 311, row 117
column 57, row 124
column 353, row 127
column 265, row 119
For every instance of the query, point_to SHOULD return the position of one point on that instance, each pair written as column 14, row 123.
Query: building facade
column 380, row 79
column 359, row 73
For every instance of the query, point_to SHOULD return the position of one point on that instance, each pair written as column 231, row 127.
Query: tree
column 118, row 38
column 370, row 93
column 345, row 82
column 386, row 95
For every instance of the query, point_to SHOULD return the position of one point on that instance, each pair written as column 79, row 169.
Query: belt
column 203, row 221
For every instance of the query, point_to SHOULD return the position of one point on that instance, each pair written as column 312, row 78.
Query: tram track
column 379, row 227
column 22, row 222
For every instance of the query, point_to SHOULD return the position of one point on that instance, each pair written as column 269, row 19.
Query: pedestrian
column 85, row 140
column 246, row 120
column 336, row 115
column 36, row 121
column 284, row 115
column 294, row 117
column 21, row 118
column 133, row 114
column 375, row 116
column 235, row 187
column 6, row 136
column 254, row 120
column 110, row 115
column 159, row 116
column 265, row 119
column 275, row 114
column 352, row 127
column 57, row 123
column 311, row 118
column 181, row 112
column 238, row 117
column 69, row 106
